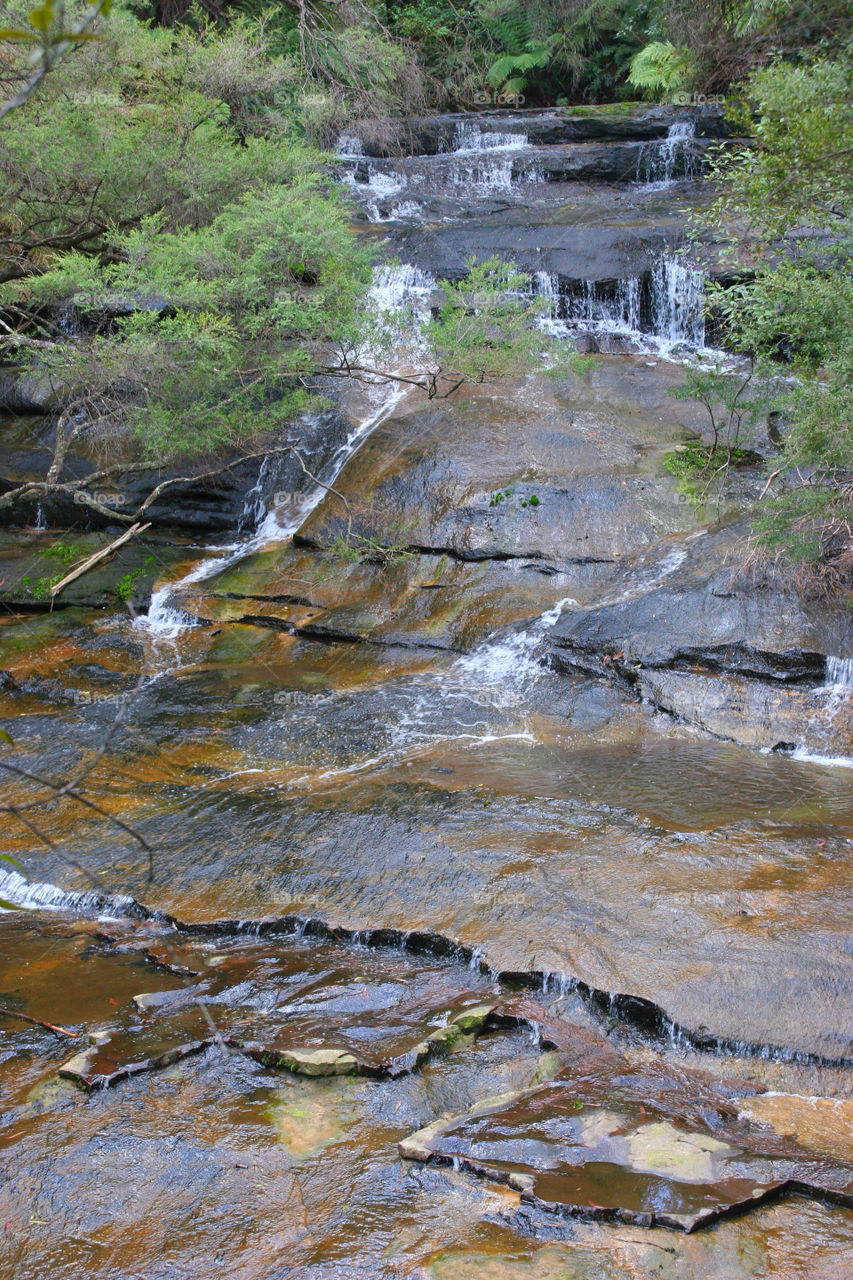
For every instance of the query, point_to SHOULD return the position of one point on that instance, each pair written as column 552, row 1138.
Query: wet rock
column 109, row 1062
column 605, row 122
column 314, row 1062
column 570, row 1157
column 740, row 653
column 238, row 491
column 28, row 391
column 760, row 713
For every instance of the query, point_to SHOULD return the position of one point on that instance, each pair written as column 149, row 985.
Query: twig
column 97, row 557
column 769, row 482
column 68, row 790
column 37, row 1022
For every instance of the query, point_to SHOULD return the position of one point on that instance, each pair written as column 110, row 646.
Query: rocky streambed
column 494, row 919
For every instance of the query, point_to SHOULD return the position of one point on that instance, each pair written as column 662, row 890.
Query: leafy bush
column 795, row 191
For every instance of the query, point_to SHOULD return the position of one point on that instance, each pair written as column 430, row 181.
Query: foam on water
column 32, row 894
column 349, row 145
column 673, row 318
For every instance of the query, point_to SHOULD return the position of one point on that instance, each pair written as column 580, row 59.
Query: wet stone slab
column 313, row 1009
column 622, row 1160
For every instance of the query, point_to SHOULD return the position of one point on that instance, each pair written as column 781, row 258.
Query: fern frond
column 660, row 67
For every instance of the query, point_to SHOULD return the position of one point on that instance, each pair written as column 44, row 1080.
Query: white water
column 658, row 161
column 678, row 308
column 835, row 696
column 31, row 894
column 675, row 318
column 349, row 145
column 166, row 621
column 839, row 675
column 401, row 292
column 596, row 312
column 468, row 136
column 497, row 675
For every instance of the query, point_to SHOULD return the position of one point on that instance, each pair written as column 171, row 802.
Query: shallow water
column 374, row 810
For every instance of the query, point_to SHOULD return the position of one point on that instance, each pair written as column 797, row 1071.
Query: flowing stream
column 498, row 926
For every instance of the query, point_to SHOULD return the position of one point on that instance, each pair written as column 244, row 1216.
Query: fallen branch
column 769, row 482
column 37, row 1022
column 97, row 557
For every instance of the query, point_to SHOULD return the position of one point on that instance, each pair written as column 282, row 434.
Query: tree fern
column 661, row 68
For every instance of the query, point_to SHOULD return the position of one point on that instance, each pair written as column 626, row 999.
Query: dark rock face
column 738, row 652
column 709, row 615
column 628, row 121
column 212, row 504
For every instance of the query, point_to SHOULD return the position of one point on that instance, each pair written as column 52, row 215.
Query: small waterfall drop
column 660, row 163
column 660, row 313
column 677, row 304
column 831, row 725
column 30, row 895
column 400, row 291
column 468, row 136
column 600, row 311
column 349, row 145
column 839, row 675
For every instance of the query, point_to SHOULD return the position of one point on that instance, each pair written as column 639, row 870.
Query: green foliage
column 216, row 252
column 523, row 50
column 486, row 328
column 358, row 548
column 661, row 69
column 126, row 586
column 503, row 495
column 796, row 192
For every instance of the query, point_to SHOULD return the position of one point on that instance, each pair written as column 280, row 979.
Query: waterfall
column 677, row 304
column 349, row 145
column 666, row 313
column 33, row 894
column 492, row 172
column 401, row 291
column 659, row 163
column 823, row 733
column 603, row 312
column 254, row 504
column 839, row 675
column 468, row 136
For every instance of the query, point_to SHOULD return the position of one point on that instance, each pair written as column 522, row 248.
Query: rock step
column 612, row 122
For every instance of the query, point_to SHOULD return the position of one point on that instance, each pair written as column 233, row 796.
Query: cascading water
column 660, row 315
column 468, row 136
column 677, row 303
column 32, row 895
column 839, row 675
column 399, row 292
column 492, row 169
column 834, row 697
column 349, row 145
column 660, row 163
column 602, row 312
